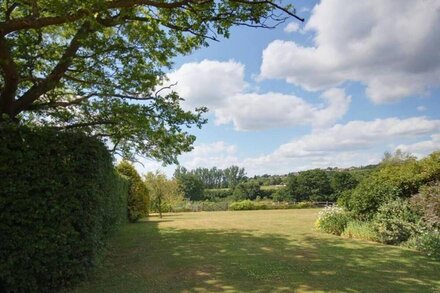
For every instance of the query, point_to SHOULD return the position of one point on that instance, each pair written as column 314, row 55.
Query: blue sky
column 356, row 79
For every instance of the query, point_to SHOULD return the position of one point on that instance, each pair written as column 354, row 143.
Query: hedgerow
column 59, row 199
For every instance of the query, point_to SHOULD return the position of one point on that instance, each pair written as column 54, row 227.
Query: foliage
column 371, row 193
column 214, row 177
column 398, row 157
column 60, row 197
column 427, row 242
column 217, row 194
column 164, row 193
column 360, row 230
column 247, row 205
column 341, row 181
column 395, row 222
column 313, row 185
column 282, row 194
column 97, row 65
column 389, row 182
column 138, row 198
column 427, row 203
column 190, row 185
column 332, row 220
column 246, row 190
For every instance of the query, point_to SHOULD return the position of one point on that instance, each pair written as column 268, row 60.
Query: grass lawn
column 254, row 251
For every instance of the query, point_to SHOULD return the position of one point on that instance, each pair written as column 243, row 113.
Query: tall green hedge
column 59, row 198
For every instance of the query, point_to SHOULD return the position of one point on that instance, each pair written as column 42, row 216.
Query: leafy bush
column 332, row 220
column 360, row 230
column 427, row 203
column 428, row 243
column 282, row 194
column 391, row 181
column 138, row 197
column 217, row 194
column 395, row 222
column 59, row 199
column 247, row 205
column 247, row 190
column 368, row 196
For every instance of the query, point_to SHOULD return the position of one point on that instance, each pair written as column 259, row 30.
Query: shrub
column 368, row 196
column 282, row 194
column 428, row 243
column 332, row 220
column 138, row 197
column 247, row 190
column 395, row 222
column 217, row 194
column 427, row 203
column 59, row 199
column 360, row 230
column 247, row 205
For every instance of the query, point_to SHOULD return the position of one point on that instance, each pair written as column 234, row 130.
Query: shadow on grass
column 143, row 258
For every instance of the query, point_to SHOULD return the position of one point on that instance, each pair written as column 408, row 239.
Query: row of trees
column 214, row 177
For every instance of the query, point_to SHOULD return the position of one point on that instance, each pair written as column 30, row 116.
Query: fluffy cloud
column 353, row 143
column 217, row 154
column 390, row 46
column 261, row 111
column 292, row 27
column 208, row 83
column 221, row 87
column 422, row 147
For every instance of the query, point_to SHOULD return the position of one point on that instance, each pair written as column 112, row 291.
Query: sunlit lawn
column 254, row 251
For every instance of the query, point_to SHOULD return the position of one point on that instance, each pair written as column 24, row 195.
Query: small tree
column 163, row 192
column 138, row 197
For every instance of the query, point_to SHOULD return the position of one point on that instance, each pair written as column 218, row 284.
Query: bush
column 395, row 222
column 247, row 205
column 138, row 197
column 217, row 194
column 332, row 220
column 282, row 194
column 247, row 190
column 59, row 199
column 427, row 203
column 368, row 196
column 428, row 243
column 360, row 230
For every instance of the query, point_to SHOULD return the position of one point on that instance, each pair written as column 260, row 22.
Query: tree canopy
column 98, row 65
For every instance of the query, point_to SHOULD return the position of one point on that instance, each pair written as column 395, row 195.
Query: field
column 254, row 251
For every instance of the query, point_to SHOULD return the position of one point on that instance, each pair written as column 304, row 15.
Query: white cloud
column 221, row 87
column 421, row 108
column 261, row 111
column 390, row 46
column 217, row 154
column 352, row 144
column 292, row 27
column 208, row 83
column 422, row 148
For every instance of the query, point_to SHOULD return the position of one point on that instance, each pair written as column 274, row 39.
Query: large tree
column 97, row 65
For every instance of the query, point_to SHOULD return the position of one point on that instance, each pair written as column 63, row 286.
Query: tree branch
column 57, row 73
column 29, row 22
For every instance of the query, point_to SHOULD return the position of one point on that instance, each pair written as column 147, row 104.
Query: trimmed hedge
column 59, row 198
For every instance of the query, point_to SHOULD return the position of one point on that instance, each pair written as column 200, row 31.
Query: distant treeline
column 216, row 184
column 214, row 177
